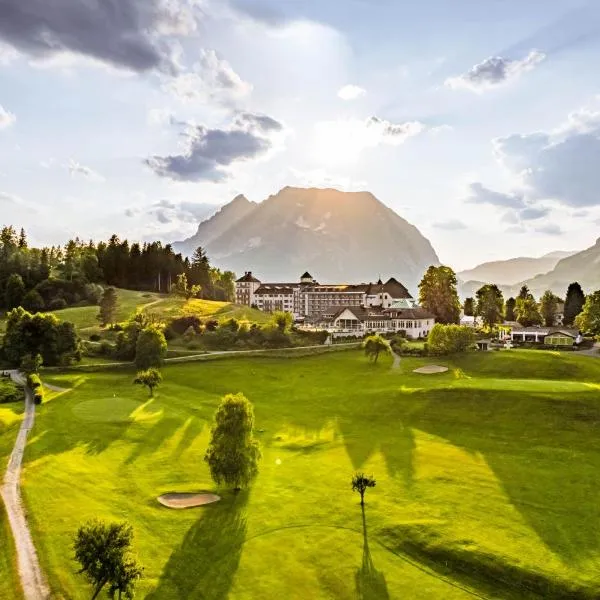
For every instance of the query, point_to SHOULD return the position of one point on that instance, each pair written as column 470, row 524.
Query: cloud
column 549, row 229
column 7, row 54
column 343, row 140
column 211, row 78
column 531, row 213
column 160, row 116
column 482, row 195
column 351, row 92
column 450, row 225
column 6, row 118
column 493, row 72
column 559, row 165
column 129, row 34
column 7, row 198
column 510, row 217
column 179, row 213
column 77, row 169
column 209, row 153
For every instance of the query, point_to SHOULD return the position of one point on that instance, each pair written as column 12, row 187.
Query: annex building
column 344, row 309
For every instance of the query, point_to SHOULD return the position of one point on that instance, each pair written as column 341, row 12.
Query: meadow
column 486, row 478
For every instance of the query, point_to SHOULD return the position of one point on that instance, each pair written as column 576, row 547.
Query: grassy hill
column 165, row 305
column 486, row 478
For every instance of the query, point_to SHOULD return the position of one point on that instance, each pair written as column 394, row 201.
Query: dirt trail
column 396, row 363
column 33, row 581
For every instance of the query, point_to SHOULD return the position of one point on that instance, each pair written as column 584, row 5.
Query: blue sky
column 479, row 122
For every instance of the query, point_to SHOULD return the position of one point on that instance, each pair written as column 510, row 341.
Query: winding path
column 33, row 581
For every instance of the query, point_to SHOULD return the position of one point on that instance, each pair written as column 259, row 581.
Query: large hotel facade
column 343, row 308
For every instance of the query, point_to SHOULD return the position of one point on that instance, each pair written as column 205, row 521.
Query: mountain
column 512, row 271
column 336, row 236
column 211, row 228
column 583, row 267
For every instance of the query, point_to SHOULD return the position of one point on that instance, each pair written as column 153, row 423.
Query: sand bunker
column 187, row 500
column 430, row 369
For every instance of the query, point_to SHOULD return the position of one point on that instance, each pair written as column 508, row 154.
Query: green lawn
column 10, row 421
column 487, row 478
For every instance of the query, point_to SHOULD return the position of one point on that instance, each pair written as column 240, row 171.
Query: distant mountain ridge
column 337, row 236
column 514, row 270
column 583, row 267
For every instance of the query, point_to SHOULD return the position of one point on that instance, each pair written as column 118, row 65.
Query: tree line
column 438, row 294
column 51, row 278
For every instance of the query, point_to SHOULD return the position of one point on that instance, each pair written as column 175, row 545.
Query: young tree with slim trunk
column 103, row 552
column 374, row 345
column 233, row 453
column 360, row 484
column 108, row 307
column 151, row 378
column 573, row 303
column 438, row 295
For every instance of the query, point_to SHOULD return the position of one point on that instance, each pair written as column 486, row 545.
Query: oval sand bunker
column 187, row 500
column 430, row 369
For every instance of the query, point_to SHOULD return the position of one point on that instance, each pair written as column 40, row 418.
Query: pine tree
column 574, row 303
column 108, row 307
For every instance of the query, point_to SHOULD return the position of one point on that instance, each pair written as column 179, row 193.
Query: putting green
column 112, row 410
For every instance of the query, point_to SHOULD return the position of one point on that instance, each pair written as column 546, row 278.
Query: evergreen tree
column 509, row 314
column 573, row 303
column 548, row 308
column 233, row 453
column 14, row 291
column 469, row 307
column 108, row 307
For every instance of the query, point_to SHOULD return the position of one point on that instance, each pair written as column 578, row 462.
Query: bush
column 33, row 302
column 57, row 304
column 180, row 325
column 449, row 339
column 10, row 391
column 95, row 337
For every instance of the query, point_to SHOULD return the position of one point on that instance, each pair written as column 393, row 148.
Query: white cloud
column 549, row 229
column 494, row 71
column 351, row 92
column 160, row 116
column 6, row 118
column 7, row 54
column 342, row 141
column 77, row 169
column 211, row 79
column 450, row 225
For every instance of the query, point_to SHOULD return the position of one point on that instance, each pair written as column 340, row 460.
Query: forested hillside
column 55, row 277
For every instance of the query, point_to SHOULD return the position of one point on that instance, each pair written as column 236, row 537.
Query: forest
column 51, row 278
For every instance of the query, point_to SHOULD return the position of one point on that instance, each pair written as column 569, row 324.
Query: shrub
column 34, row 381
column 449, row 339
column 57, row 304
column 95, row 337
column 180, row 325
column 33, row 302
column 10, row 391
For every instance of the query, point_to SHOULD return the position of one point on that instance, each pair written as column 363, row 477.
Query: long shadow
column 549, row 470
column 370, row 583
column 205, row 564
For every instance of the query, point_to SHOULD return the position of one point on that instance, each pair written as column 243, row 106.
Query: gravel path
column 32, row 579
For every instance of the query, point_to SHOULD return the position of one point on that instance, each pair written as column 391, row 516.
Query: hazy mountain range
column 351, row 237
column 336, row 236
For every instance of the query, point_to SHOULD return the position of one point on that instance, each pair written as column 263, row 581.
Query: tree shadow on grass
column 370, row 583
column 205, row 564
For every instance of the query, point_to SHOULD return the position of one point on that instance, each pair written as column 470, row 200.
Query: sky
column 478, row 122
